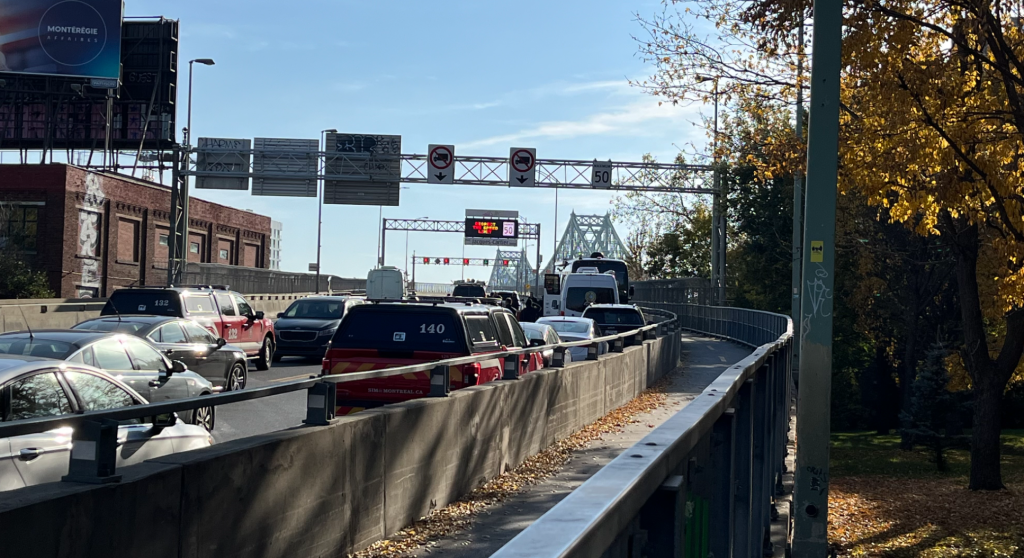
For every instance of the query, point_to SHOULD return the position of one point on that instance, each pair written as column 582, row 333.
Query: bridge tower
column 512, row 277
column 586, row 234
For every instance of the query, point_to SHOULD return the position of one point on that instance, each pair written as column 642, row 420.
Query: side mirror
column 165, row 420
column 220, row 343
column 280, row 315
column 536, row 342
column 258, row 315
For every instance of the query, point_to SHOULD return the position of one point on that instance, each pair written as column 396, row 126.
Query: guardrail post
column 617, row 345
column 759, row 517
column 663, row 517
column 742, row 547
column 722, row 484
column 511, row 369
column 558, row 357
column 321, row 404
column 93, row 453
column 440, row 384
column 593, row 351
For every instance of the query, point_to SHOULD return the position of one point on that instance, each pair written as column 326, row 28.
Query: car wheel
column 266, row 355
column 205, row 417
column 237, row 377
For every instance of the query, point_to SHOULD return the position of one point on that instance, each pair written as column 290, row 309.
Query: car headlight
column 239, row 354
column 326, row 332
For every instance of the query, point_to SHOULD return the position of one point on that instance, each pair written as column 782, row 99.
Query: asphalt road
column 267, row 414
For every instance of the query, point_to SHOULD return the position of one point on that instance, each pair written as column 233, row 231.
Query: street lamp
column 188, row 124
column 320, row 202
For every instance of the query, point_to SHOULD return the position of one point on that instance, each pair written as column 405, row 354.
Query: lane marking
column 710, row 348
column 721, row 357
column 290, row 378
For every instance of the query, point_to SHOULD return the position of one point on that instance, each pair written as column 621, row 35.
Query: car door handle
column 155, row 383
column 28, row 454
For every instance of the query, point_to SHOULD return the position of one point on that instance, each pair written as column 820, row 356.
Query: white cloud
column 632, row 119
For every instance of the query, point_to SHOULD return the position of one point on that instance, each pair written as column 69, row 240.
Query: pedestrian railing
column 94, row 441
column 703, row 483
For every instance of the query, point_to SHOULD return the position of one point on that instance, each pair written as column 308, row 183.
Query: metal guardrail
column 96, row 430
column 703, row 483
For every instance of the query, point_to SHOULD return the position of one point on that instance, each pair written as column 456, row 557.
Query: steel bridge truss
column 515, row 276
column 586, row 234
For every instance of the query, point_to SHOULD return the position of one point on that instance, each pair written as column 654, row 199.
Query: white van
column 385, row 283
column 580, row 290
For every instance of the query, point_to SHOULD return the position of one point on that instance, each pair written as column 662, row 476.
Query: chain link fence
column 690, row 290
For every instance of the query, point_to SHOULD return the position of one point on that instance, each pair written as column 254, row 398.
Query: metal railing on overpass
column 703, row 483
column 97, row 430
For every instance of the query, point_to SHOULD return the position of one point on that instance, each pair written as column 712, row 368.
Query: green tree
column 933, row 409
column 17, row 278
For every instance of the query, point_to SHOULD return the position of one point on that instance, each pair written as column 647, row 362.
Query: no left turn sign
column 522, row 166
column 440, row 161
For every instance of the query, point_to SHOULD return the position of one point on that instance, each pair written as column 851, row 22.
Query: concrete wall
column 60, row 313
column 325, row 491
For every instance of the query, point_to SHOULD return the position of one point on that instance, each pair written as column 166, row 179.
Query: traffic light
column 426, row 261
column 504, row 263
column 487, row 262
column 465, row 261
column 446, row 261
column 437, row 261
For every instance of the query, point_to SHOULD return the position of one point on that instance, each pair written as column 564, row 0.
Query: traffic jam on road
column 167, row 343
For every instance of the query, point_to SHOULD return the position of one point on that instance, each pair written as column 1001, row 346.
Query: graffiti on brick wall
column 89, row 237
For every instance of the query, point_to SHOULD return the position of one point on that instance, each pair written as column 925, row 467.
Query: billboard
column 74, row 38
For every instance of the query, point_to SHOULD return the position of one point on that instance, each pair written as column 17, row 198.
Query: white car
column 32, row 387
column 575, row 329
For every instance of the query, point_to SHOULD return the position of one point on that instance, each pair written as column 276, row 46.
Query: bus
column 604, row 265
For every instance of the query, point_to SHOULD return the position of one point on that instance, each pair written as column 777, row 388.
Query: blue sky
column 482, row 75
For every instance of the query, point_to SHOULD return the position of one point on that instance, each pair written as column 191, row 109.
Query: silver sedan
column 575, row 329
column 32, row 387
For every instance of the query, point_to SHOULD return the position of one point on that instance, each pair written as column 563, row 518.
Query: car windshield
column 400, row 331
column 609, row 316
column 110, row 325
column 578, row 298
column 126, row 301
column 315, row 309
column 469, row 291
column 36, row 347
column 570, row 327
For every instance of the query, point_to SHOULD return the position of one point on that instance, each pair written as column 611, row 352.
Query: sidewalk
column 705, row 359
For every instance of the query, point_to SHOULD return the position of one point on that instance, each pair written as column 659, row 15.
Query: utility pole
column 810, row 537
column 798, row 195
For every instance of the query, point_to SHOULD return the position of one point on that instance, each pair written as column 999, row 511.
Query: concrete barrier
column 325, row 491
column 62, row 313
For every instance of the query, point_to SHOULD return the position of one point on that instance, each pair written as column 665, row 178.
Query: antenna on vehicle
column 114, row 307
column 28, row 327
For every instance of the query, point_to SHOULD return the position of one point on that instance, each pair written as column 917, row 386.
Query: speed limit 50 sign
column 601, row 176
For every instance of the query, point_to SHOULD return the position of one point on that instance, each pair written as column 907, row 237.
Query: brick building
column 92, row 232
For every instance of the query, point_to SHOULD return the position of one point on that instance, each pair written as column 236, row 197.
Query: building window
column 164, row 240
column 19, row 226
column 224, row 255
column 193, row 247
column 127, row 240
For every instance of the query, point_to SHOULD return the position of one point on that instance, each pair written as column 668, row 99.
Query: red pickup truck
column 225, row 313
column 389, row 335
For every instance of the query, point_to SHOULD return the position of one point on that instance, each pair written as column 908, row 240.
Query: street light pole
column 320, row 203
column 177, row 256
column 719, row 210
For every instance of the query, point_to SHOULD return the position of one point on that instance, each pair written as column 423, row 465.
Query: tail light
column 470, row 373
column 562, row 313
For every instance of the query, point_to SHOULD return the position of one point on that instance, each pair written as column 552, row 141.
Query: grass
column 890, row 503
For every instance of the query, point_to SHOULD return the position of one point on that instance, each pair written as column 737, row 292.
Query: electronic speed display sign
column 491, row 228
